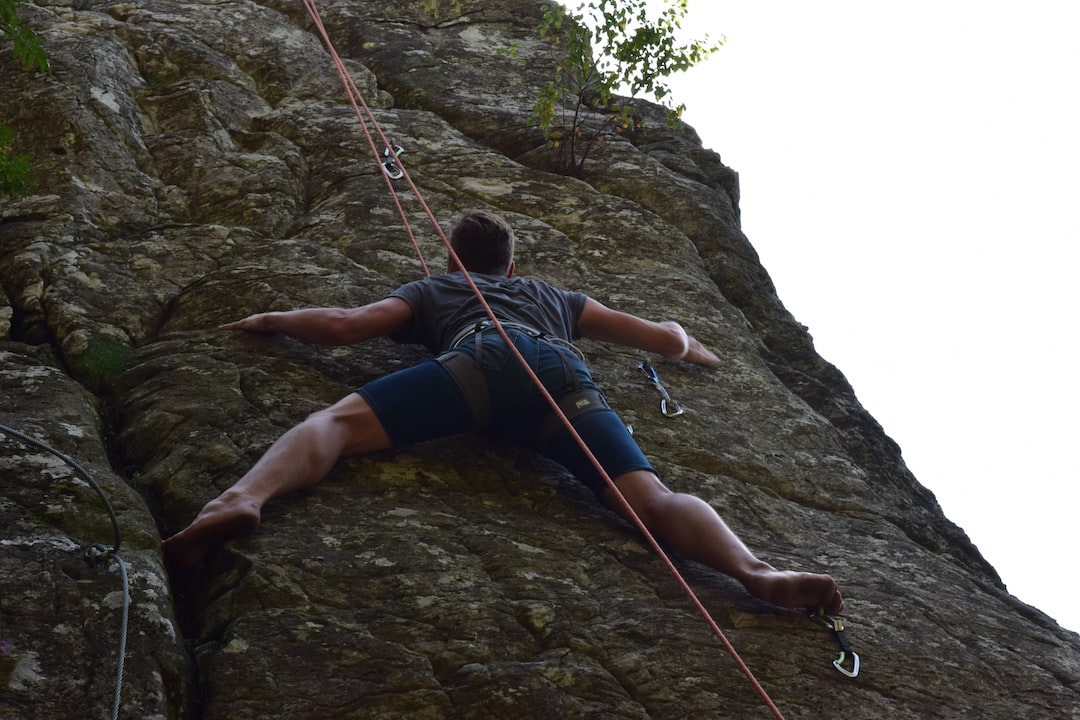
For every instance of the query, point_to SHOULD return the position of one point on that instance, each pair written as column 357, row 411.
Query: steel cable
column 96, row 555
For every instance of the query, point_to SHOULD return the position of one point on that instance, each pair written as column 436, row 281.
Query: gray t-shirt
column 444, row 305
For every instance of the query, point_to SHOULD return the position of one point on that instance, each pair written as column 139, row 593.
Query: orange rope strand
column 351, row 87
column 356, row 97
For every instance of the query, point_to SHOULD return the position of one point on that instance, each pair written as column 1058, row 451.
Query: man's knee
column 356, row 423
column 641, row 490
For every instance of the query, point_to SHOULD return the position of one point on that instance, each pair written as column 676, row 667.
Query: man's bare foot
column 227, row 517
column 792, row 590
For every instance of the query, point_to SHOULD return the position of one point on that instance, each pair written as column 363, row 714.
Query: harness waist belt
column 483, row 325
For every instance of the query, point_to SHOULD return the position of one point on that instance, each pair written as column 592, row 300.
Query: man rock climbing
column 475, row 383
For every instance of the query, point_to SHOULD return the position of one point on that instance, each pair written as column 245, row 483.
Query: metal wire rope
column 96, row 555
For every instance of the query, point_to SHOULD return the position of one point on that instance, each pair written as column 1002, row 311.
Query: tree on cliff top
column 610, row 46
column 601, row 48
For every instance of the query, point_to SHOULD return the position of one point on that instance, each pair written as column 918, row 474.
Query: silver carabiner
column 837, row 627
column 668, row 405
column 838, row 663
column 390, row 167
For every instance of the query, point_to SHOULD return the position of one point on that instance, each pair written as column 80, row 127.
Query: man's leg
column 298, row 459
column 690, row 527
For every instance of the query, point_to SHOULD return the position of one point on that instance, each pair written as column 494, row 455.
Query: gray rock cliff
column 199, row 161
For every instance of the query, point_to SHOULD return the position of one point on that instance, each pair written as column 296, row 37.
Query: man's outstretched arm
column 331, row 326
column 599, row 322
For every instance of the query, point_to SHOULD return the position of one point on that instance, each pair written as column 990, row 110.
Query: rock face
column 199, row 161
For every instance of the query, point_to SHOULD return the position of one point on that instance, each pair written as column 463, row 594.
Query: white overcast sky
column 909, row 176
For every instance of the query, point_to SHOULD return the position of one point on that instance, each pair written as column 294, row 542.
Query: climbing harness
column 668, row 405
column 837, row 627
column 477, row 329
column 97, row 555
column 390, row 162
column 466, row 372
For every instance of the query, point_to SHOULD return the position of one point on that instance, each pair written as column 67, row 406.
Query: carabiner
column 837, row 627
column 838, row 663
column 668, row 405
column 390, row 167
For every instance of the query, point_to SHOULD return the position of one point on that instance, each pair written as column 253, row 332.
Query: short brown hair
column 484, row 242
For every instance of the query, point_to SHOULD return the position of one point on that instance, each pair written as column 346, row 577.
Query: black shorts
column 425, row 402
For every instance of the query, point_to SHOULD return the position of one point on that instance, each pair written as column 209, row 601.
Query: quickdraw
column 837, row 627
column 390, row 161
column 668, row 406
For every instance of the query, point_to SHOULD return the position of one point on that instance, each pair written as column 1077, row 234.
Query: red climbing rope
column 357, row 101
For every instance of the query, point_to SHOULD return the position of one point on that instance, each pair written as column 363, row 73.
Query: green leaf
column 26, row 45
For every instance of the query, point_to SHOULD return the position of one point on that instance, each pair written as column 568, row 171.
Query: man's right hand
column 668, row 338
column 698, row 353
